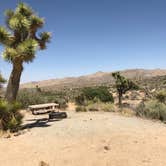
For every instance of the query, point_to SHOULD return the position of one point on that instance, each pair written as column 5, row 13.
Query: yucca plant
column 21, row 41
column 2, row 81
column 10, row 117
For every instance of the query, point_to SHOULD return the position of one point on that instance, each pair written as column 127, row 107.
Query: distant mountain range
column 98, row 78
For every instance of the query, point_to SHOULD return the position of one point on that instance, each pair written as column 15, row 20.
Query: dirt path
column 87, row 139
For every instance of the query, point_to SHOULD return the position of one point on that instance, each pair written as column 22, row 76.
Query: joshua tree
column 21, row 41
column 123, row 85
column 2, row 81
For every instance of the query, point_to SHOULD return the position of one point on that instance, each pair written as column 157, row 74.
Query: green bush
column 81, row 109
column 10, row 117
column 161, row 96
column 94, row 94
column 152, row 109
column 62, row 103
column 31, row 97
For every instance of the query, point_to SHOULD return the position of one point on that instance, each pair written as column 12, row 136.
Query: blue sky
column 96, row 35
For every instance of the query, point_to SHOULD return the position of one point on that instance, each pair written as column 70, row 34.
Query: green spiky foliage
column 2, row 80
column 21, row 41
column 123, row 85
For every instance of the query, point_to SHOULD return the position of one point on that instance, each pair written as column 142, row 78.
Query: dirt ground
column 86, row 139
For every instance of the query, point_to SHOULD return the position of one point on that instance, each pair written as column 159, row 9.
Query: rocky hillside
column 99, row 78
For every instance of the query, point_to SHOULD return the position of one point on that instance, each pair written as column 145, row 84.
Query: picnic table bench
column 43, row 108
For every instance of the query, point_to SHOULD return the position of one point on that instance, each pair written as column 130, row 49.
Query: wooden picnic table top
column 43, row 105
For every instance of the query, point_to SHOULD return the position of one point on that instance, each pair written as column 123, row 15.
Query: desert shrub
column 127, row 112
column 93, row 107
column 94, row 94
column 62, row 103
column 31, row 96
column 107, row 107
column 80, row 99
column 126, row 97
column 10, row 117
column 161, row 96
column 102, row 93
column 81, row 109
column 152, row 109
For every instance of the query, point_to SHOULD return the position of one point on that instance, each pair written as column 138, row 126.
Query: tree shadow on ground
column 42, row 122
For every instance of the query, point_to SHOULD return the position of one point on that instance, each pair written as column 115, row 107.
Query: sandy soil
column 87, row 139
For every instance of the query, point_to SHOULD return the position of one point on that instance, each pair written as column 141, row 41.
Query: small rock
column 106, row 148
column 42, row 163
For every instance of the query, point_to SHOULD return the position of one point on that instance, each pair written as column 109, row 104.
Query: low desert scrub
column 128, row 112
column 81, row 109
column 33, row 96
column 161, row 96
column 152, row 109
column 99, row 106
column 10, row 117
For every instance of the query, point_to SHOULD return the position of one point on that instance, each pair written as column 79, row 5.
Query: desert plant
column 161, row 96
column 10, row 117
column 152, row 109
column 80, row 99
column 81, row 109
column 128, row 112
column 123, row 85
column 29, row 97
column 21, row 42
column 102, row 93
column 94, row 94
column 100, row 106
column 2, row 81
column 62, row 103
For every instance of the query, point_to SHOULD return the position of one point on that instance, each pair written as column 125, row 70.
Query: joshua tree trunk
column 120, row 99
column 14, row 81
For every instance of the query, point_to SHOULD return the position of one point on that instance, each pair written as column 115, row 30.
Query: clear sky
column 96, row 35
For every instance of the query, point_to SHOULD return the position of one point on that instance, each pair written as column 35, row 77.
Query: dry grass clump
column 128, row 112
column 81, row 109
column 99, row 106
column 152, row 110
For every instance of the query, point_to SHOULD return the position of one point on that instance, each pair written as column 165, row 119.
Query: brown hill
column 99, row 78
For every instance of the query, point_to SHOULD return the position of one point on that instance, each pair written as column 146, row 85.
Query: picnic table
column 43, row 108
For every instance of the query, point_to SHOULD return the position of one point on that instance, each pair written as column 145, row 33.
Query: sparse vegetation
column 81, row 109
column 97, row 106
column 161, row 96
column 152, row 110
column 32, row 96
column 100, row 106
